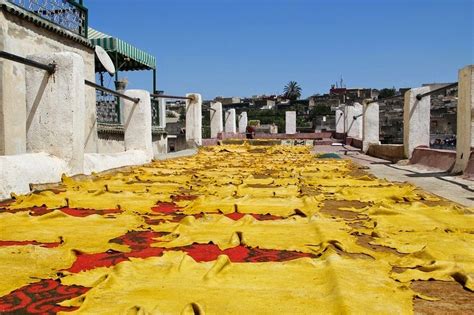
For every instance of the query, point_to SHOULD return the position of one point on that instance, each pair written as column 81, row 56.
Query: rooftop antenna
column 105, row 60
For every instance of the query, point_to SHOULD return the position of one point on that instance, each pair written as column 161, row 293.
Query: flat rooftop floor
column 238, row 229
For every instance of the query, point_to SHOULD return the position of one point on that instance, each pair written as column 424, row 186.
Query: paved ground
column 454, row 188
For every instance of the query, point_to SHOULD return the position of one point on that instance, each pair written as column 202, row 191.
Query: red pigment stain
column 138, row 241
column 210, row 252
column 166, row 208
column 140, row 245
column 40, row 298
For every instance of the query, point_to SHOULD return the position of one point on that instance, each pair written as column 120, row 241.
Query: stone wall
column 22, row 37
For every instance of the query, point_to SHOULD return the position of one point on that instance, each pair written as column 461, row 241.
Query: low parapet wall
column 230, row 135
column 17, row 172
column 96, row 162
column 469, row 171
column 209, row 142
column 391, row 152
column 439, row 159
column 353, row 142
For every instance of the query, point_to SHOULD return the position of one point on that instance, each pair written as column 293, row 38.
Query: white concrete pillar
column 217, row 125
column 55, row 107
column 290, row 122
column 194, row 119
column 465, row 118
column 243, row 122
column 162, row 113
column 370, row 126
column 12, row 103
column 340, row 120
column 229, row 125
column 353, row 120
column 416, row 120
column 137, row 122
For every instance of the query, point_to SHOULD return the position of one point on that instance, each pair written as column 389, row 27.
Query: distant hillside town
column 316, row 113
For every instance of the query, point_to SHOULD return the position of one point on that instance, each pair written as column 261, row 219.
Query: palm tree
column 292, row 91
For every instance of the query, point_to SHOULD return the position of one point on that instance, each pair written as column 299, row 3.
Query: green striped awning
column 119, row 51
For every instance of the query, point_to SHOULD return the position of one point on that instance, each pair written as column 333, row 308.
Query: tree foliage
column 292, row 91
column 384, row 93
column 320, row 110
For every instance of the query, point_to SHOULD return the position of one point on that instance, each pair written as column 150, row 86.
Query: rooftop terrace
column 236, row 229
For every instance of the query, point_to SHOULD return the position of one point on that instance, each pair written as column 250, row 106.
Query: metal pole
column 154, row 81
column 115, row 93
column 171, row 96
column 208, row 107
column 117, row 105
column 116, row 66
column 51, row 68
column 452, row 85
column 101, row 78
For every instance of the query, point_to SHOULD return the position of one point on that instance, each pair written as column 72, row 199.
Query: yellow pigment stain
column 248, row 198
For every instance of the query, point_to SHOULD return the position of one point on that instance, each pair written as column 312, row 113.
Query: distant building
column 346, row 95
column 442, row 118
column 228, row 100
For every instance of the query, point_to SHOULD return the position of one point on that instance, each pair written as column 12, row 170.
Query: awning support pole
column 154, row 81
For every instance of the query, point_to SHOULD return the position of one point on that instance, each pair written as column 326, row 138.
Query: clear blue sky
column 248, row 47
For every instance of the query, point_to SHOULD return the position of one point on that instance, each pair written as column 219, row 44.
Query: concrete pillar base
column 353, row 121
column 290, row 122
column 230, row 124
column 216, row 119
column 56, row 109
column 465, row 119
column 162, row 113
column 370, row 126
column 416, row 120
column 243, row 122
column 194, row 119
column 137, row 122
column 339, row 117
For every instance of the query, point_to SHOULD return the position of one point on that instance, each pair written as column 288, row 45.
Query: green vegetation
column 292, row 91
column 320, row 111
column 384, row 93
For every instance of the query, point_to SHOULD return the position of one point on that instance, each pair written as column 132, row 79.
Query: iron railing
column 50, row 68
column 108, row 103
column 68, row 14
column 108, row 109
column 443, row 88
column 107, row 90
column 171, row 96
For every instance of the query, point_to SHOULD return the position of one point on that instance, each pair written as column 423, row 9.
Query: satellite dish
column 105, row 60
